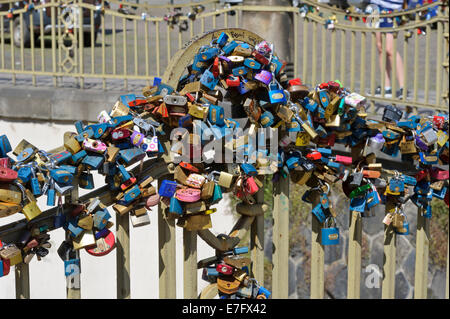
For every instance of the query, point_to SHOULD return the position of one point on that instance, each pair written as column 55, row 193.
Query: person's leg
column 390, row 57
column 386, row 71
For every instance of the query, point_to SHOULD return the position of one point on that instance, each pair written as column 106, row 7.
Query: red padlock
column 215, row 67
column 295, row 81
column 346, row 160
column 7, row 174
column 421, row 175
column 323, row 86
column 225, row 269
column 314, row 156
column 128, row 183
column 438, row 121
column 446, row 199
column 439, row 174
column 233, row 81
column 260, row 58
column 104, row 245
column 189, row 167
column 190, row 97
column 120, row 133
column 4, row 264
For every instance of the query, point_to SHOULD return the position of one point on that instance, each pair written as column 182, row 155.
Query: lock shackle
column 326, row 224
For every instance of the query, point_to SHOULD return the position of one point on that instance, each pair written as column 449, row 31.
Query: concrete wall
column 98, row 278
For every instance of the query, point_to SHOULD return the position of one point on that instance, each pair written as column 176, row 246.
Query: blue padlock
column 85, row 134
column 292, row 162
column 324, row 151
column 25, row 154
column 101, row 218
column 207, row 79
column 309, row 104
column 217, row 194
column 130, row 195
column 216, row 115
column 239, row 71
column 405, row 227
column 98, row 129
column 372, row 199
column 167, row 188
column 409, row 180
column 77, row 157
column 126, row 98
column 93, row 161
column 60, row 157
column 439, row 193
column 51, row 197
column 117, row 120
column 86, row 180
column 242, row 88
column 131, row 155
column 175, row 206
column 240, row 250
column 228, row 48
column 396, row 184
column 79, row 126
column 208, row 54
column 277, row 65
column 60, row 220
column 24, row 173
column 5, row 146
column 252, row 64
column 71, row 267
column 294, row 126
column 330, row 235
column 61, row 176
column 264, row 291
column 276, row 95
column 249, row 169
column 164, row 89
column 324, row 201
column 318, row 212
column 125, row 175
column 324, row 100
column 222, row 39
column 358, row 204
column 428, row 212
column 266, row 119
column 69, row 168
column 74, row 229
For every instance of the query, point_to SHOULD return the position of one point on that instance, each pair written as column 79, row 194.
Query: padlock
column 5, row 146
column 356, row 178
column 216, row 115
column 103, row 244
column 131, row 155
column 228, row 284
column 12, row 254
column 86, row 180
column 31, row 210
column 358, row 204
column 330, row 235
column 85, row 240
column 70, row 143
column 86, row 222
column 319, row 213
column 188, row 195
column 175, row 206
column 139, row 221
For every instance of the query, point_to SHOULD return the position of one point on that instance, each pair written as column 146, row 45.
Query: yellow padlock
column 31, row 210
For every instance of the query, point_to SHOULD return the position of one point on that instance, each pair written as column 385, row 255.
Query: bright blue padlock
column 228, row 48
column 318, row 212
column 77, row 157
column 324, row 100
column 85, row 134
column 249, row 169
column 115, row 121
column 71, row 169
column 131, row 155
column 61, row 176
column 73, row 228
column 25, row 154
column 266, row 119
column 175, row 206
column 130, row 195
column 207, row 79
column 93, row 161
column 60, row 157
column 24, row 173
column 330, row 235
column 264, row 291
column 372, row 199
column 98, row 129
column 240, row 250
column 71, row 267
column 217, row 194
column 101, row 218
column 5, row 146
column 216, row 115
column 358, row 204
column 222, row 39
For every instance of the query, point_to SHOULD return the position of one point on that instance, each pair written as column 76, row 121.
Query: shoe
column 387, row 92
column 400, row 93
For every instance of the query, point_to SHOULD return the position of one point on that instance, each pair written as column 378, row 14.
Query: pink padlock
column 152, row 200
column 439, row 174
column 264, row 77
column 195, row 180
column 346, row 160
column 188, row 195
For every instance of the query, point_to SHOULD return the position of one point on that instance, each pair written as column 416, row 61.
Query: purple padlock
column 224, row 58
column 421, row 144
column 377, row 142
column 264, row 77
column 137, row 138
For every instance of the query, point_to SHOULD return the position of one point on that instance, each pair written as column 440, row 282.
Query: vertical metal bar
column 33, row 77
column 2, row 41
column 416, row 62
column 225, row 20
column 354, row 256
column 166, row 241
column 439, row 59
column 180, row 40
column 323, row 74
column 383, row 62
column 295, row 44
column 317, row 261
column 81, row 46
column 422, row 254
column 343, row 56
column 280, row 256
column 103, row 50
column 169, row 47
column 13, row 58
column 22, row 59
column 191, row 28
column 373, row 58
column 125, row 62
column 114, row 63
column 314, row 54
column 146, row 51
column 123, row 256
column 236, row 19
column 213, row 18
column 305, row 51
column 405, row 64
column 135, row 48
column 362, row 73
column 60, row 41
column 22, row 272
column 352, row 58
column 53, row 15
column 41, row 30
column 390, row 248
column 158, row 66
column 427, row 64
column 257, row 242
column 190, row 264
column 333, row 55
column 203, row 24
column 92, row 43
column 394, row 64
column 73, row 284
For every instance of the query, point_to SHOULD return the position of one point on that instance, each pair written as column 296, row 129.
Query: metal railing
column 137, row 47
